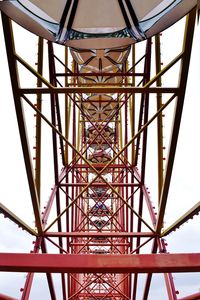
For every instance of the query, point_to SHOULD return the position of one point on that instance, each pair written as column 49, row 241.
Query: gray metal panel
column 96, row 23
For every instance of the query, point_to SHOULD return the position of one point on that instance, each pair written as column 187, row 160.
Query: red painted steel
column 102, row 215
column 4, row 297
column 195, row 296
column 74, row 263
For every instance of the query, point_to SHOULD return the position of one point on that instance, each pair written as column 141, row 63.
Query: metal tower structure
column 98, row 117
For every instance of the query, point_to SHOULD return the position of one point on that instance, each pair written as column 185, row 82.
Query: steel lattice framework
column 99, row 229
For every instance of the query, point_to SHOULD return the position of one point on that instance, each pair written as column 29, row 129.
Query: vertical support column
column 10, row 47
column 187, row 46
column 55, row 119
column 145, row 101
column 38, row 119
column 169, row 283
column 67, row 122
column 132, row 102
column 159, row 118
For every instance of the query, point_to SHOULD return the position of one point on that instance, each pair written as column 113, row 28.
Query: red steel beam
column 122, row 166
column 4, row 297
column 102, row 295
column 100, row 74
column 100, row 184
column 191, row 297
column 99, row 234
column 74, row 263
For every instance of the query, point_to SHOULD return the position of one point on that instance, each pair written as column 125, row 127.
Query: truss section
column 97, row 111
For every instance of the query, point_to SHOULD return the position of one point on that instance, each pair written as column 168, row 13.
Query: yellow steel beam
column 99, row 90
column 184, row 218
column 8, row 213
column 93, row 89
column 38, row 120
column 187, row 45
column 99, row 174
column 159, row 119
column 10, row 48
column 67, row 111
column 132, row 106
column 114, row 158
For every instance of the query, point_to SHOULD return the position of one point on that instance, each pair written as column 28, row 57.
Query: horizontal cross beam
column 100, row 184
column 191, row 297
column 5, row 297
column 101, row 90
column 90, row 234
column 112, row 166
column 75, row 263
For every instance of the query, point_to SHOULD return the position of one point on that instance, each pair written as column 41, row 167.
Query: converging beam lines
column 99, row 173
column 99, row 217
column 100, row 128
column 112, row 160
column 78, row 90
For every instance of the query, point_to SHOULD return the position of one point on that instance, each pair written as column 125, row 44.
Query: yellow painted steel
column 132, row 106
column 67, row 110
column 108, row 164
column 38, row 120
column 11, row 55
column 159, row 119
column 17, row 220
column 186, row 216
column 186, row 50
